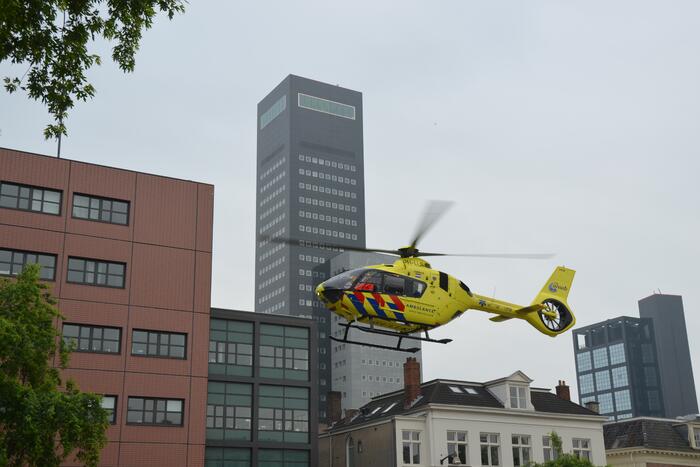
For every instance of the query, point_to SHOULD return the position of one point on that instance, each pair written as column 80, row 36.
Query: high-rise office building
column 676, row 369
column 310, row 188
column 360, row 372
column 636, row 367
column 616, row 365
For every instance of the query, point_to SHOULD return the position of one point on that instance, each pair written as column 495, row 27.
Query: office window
column 227, row 457
column 490, row 448
column 582, row 448
column 109, row 403
column 606, row 403
column 521, row 450
column 229, row 410
column 284, row 352
column 600, row 357
column 283, row 414
column 326, row 106
column 602, row 380
column 230, row 347
column 100, row 209
column 97, row 339
column 585, row 383
column 29, row 198
column 153, row 411
column 158, row 344
column 550, row 453
column 617, row 354
column 283, row 458
column 650, row 376
column 584, row 361
column 619, row 377
column 622, row 401
column 654, row 400
column 275, row 109
column 12, row 262
column 518, row 397
column 96, row 272
column 411, row 446
column 457, row 446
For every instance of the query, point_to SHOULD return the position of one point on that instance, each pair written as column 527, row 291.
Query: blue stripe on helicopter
column 377, row 308
column 400, row 316
column 359, row 306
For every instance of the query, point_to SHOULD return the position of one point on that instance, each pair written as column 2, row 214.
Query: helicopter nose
column 328, row 295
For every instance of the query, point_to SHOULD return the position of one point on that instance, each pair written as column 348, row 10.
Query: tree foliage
column 51, row 37
column 41, row 424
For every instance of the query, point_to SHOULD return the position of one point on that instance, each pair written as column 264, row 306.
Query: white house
column 505, row 422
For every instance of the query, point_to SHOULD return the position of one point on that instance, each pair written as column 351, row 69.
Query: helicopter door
column 394, row 285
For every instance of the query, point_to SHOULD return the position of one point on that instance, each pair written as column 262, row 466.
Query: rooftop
column 458, row 394
column 651, row 433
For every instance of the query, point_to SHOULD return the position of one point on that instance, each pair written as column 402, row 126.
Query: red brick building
column 128, row 255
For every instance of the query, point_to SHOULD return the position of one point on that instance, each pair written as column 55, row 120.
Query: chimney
column 563, row 391
column 411, row 380
column 593, row 406
column 334, row 408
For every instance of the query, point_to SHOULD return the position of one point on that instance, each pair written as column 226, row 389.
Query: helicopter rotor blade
column 295, row 241
column 432, row 213
column 494, row 255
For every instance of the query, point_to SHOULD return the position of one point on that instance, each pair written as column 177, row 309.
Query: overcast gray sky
column 567, row 127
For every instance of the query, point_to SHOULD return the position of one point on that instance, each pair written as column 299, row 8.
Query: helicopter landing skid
column 383, row 332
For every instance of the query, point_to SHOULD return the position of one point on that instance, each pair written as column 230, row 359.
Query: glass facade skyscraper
column 310, row 188
column 617, row 366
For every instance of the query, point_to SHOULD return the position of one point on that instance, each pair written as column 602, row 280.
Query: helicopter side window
column 394, row 285
column 414, row 288
column 371, row 281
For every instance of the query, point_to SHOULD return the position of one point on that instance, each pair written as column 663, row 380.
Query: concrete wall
column 375, row 442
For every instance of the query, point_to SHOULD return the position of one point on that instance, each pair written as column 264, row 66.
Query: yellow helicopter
column 409, row 297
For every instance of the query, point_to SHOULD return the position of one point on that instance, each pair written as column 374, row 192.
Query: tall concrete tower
column 310, row 187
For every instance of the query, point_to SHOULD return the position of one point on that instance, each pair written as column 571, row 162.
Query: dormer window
column 696, row 431
column 518, row 397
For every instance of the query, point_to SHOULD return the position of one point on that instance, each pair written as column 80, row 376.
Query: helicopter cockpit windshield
column 344, row 281
column 376, row 281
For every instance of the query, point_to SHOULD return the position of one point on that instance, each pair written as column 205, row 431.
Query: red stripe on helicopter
column 399, row 304
column 379, row 299
column 360, row 296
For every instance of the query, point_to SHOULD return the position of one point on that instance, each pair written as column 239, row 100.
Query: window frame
column 489, row 445
column 90, row 338
column 548, row 451
column 411, row 443
column 579, row 450
column 524, row 399
column 100, row 210
column 24, row 263
column 521, row 447
column 31, row 198
column 94, row 283
column 112, row 419
column 155, row 411
column 457, row 443
column 158, row 344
